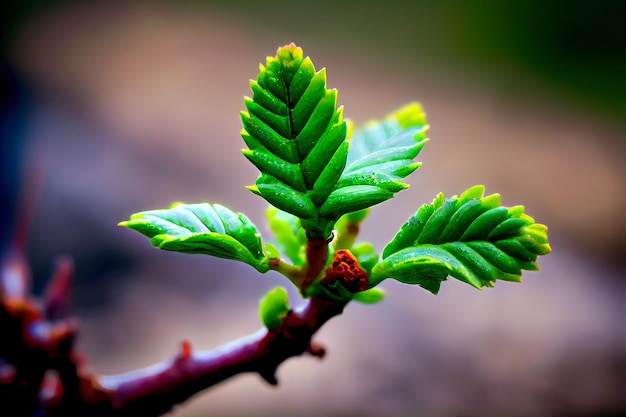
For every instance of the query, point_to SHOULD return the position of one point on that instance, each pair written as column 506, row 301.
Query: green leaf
column 367, row 256
column 411, row 230
column 381, row 155
column 353, row 198
column 271, row 251
column 371, row 296
column 284, row 197
column 347, row 228
column 290, row 236
column 335, row 292
column 356, row 216
column 296, row 137
column 209, row 229
column 274, row 308
column 470, row 238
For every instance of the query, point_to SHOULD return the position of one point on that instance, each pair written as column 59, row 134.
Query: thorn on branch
column 269, row 376
column 316, row 350
column 185, row 350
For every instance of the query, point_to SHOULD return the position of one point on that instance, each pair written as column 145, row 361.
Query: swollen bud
column 274, row 308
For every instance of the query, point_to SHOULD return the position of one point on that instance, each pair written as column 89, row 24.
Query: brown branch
column 316, row 255
column 41, row 373
column 156, row 389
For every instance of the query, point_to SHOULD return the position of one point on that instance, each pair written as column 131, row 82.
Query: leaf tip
column 411, row 115
column 413, row 167
column 491, row 201
column 349, row 127
column 254, row 189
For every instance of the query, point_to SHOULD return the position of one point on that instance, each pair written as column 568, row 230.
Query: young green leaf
column 347, row 228
column 274, row 308
column 371, row 296
column 470, row 238
column 290, row 237
column 209, row 229
column 381, row 154
column 296, row 137
column 367, row 256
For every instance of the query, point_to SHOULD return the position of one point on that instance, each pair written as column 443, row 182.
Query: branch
column 156, row 389
column 41, row 373
column 316, row 255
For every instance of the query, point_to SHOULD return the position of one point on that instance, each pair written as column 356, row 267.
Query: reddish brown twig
column 41, row 374
column 154, row 390
column 316, row 255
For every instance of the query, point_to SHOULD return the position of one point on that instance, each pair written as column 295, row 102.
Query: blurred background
column 121, row 107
